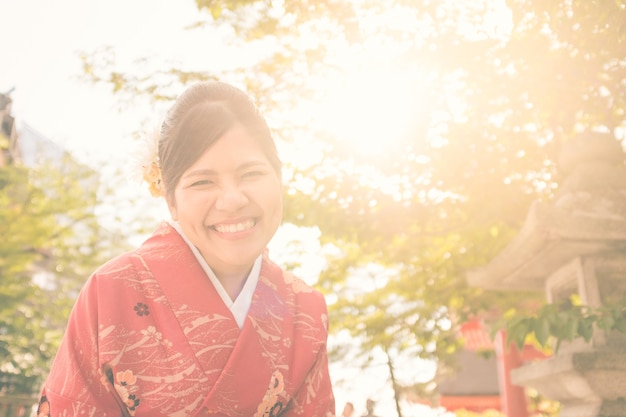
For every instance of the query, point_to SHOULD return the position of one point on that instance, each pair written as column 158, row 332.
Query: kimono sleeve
column 315, row 398
column 75, row 385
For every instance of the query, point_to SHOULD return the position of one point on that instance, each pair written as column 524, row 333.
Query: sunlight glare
column 370, row 108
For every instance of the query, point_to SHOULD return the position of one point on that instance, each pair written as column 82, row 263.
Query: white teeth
column 233, row 228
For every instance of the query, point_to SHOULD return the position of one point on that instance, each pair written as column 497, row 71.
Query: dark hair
column 200, row 116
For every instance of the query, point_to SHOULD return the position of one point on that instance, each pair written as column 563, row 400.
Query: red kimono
column 150, row 336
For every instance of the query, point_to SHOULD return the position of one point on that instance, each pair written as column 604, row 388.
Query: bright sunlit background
column 40, row 40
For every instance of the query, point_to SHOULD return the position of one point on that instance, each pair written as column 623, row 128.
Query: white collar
column 240, row 306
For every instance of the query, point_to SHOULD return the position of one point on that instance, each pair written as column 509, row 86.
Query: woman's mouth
column 234, row 227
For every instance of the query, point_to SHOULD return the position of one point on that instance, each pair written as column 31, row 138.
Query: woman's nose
column 231, row 198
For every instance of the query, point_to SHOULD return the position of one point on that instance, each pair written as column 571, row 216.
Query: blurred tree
column 501, row 86
column 52, row 241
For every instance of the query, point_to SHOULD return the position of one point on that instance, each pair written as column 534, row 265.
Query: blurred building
column 475, row 385
column 27, row 146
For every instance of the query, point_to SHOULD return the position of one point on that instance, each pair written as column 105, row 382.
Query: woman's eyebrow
column 252, row 164
column 243, row 166
column 197, row 172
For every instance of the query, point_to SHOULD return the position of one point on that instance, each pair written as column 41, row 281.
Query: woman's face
column 229, row 203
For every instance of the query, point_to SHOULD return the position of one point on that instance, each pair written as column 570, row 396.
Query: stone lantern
column 575, row 245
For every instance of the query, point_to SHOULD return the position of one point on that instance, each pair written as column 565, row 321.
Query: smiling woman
column 175, row 326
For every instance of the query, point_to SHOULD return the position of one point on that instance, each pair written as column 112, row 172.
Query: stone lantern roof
column 587, row 217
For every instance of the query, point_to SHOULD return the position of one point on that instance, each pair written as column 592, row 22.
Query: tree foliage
column 502, row 87
column 553, row 324
column 52, row 242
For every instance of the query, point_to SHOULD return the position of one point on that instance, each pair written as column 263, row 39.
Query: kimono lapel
column 253, row 377
column 206, row 325
column 245, row 368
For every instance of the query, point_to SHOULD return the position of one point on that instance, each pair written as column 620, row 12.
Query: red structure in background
column 484, row 383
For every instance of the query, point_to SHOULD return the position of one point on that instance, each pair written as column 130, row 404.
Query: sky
column 40, row 44
column 40, row 41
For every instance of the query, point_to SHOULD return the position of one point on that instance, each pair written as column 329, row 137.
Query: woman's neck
column 233, row 282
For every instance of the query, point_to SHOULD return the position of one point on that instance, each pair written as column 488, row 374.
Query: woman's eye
column 253, row 174
column 201, row 183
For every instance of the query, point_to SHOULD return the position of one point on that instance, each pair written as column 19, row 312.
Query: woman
column 198, row 320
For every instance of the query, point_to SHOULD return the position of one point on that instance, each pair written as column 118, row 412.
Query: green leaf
column 571, row 328
column 620, row 325
column 585, row 328
column 606, row 323
column 541, row 328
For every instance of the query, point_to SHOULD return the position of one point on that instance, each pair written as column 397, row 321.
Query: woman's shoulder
column 160, row 242
column 120, row 266
column 164, row 235
column 291, row 286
